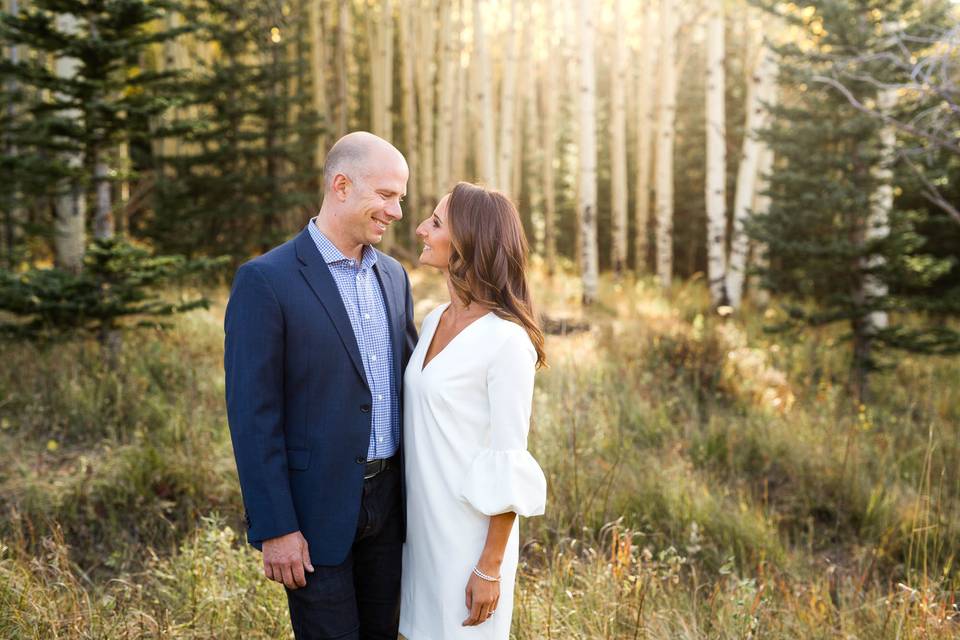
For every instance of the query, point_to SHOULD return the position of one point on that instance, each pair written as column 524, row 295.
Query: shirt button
column 361, row 459
column 379, row 396
column 365, row 408
column 366, row 316
column 380, row 439
column 373, row 357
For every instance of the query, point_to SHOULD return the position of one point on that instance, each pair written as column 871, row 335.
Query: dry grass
column 707, row 480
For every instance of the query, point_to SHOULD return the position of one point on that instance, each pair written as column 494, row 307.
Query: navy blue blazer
column 298, row 403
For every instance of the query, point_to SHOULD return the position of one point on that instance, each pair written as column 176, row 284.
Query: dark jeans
column 360, row 598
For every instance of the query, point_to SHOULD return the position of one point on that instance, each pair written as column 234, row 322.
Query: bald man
column 318, row 333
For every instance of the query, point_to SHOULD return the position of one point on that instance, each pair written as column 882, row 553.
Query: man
column 318, row 333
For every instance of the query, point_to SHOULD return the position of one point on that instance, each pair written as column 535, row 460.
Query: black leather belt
column 373, row 467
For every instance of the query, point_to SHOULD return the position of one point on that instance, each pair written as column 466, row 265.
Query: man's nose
column 393, row 210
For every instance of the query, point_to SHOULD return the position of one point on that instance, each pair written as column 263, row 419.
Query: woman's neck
column 460, row 311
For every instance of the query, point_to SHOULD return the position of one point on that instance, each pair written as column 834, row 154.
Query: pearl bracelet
column 483, row 576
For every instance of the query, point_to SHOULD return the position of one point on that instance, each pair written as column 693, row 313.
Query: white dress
column 466, row 417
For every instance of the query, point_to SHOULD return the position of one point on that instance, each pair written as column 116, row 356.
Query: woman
column 468, row 391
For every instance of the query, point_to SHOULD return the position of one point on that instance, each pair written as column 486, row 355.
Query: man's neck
column 354, row 252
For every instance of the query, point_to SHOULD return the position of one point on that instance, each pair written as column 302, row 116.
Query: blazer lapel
column 317, row 274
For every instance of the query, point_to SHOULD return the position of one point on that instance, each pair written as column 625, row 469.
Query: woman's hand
column 482, row 599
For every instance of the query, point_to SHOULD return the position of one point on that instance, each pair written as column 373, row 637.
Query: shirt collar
column 330, row 253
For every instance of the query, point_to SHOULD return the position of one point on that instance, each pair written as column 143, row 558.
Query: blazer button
column 365, row 408
column 361, row 459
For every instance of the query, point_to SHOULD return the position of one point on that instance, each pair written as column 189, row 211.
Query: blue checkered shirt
column 363, row 299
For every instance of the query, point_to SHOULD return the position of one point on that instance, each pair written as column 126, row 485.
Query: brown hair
column 488, row 257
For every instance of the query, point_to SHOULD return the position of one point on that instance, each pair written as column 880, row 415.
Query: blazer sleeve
column 253, row 364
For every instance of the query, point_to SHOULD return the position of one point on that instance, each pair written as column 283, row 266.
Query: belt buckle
column 380, row 467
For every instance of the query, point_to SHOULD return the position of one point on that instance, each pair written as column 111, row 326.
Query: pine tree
column 69, row 121
column 69, row 128
column 250, row 180
column 825, row 257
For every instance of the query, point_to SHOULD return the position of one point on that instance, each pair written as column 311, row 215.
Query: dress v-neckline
column 426, row 363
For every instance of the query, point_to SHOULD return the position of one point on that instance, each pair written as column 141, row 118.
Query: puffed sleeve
column 504, row 477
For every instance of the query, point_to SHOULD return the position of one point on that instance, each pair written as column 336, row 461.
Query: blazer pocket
column 298, row 459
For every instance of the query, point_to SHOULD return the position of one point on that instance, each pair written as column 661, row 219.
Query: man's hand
column 285, row 558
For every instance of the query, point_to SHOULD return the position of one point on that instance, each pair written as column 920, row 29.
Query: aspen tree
column 447, row 50
column 758, row 90
column 587, row 200
column 666, row 116
column 618, row 143
column 69, row 202
column 426, row 86
column 14, row 214
column 549, row 78
column 318, row 79
column 523, row 111
column 715, row 196
column 408, row 113
column 484, row 100
column 344, row 67
column 645, row 124
column 881, row 204
column 459, row 136
column 508, row 89
column 761, row 206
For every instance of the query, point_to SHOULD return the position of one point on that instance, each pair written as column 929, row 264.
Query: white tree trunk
column 587, row 200
column 426, row 86
column 449, row 61
column 484, row 98
column 618, row 143
column 646, row 124
column 70, row 203
column 344, row 67
column 761, row 206
column 525, row 91
column 759, row 90
column 666, row 115
column 881, row 204
column 15, row 215
column 528, row 154
column 508, row 88
column 459, row 137
column 386, row 74
column 318, row 83
column 379, row 26
column 103, row 224
column 550, row 77
column 716, row 192
column 408, row 114
column 174, row 58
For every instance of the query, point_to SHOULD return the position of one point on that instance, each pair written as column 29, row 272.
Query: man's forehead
column 393, row 178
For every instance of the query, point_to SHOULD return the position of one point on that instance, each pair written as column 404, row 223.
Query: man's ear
column 341, row 187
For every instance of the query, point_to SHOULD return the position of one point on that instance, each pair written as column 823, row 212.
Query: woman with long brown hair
column 468, row 391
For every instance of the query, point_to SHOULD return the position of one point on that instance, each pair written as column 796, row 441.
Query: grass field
column 706, row 480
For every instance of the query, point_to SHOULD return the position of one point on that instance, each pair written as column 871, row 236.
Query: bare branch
column 931, row 193
column 859, row 106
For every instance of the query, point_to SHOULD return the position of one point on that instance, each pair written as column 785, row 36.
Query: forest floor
column 707, row 479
